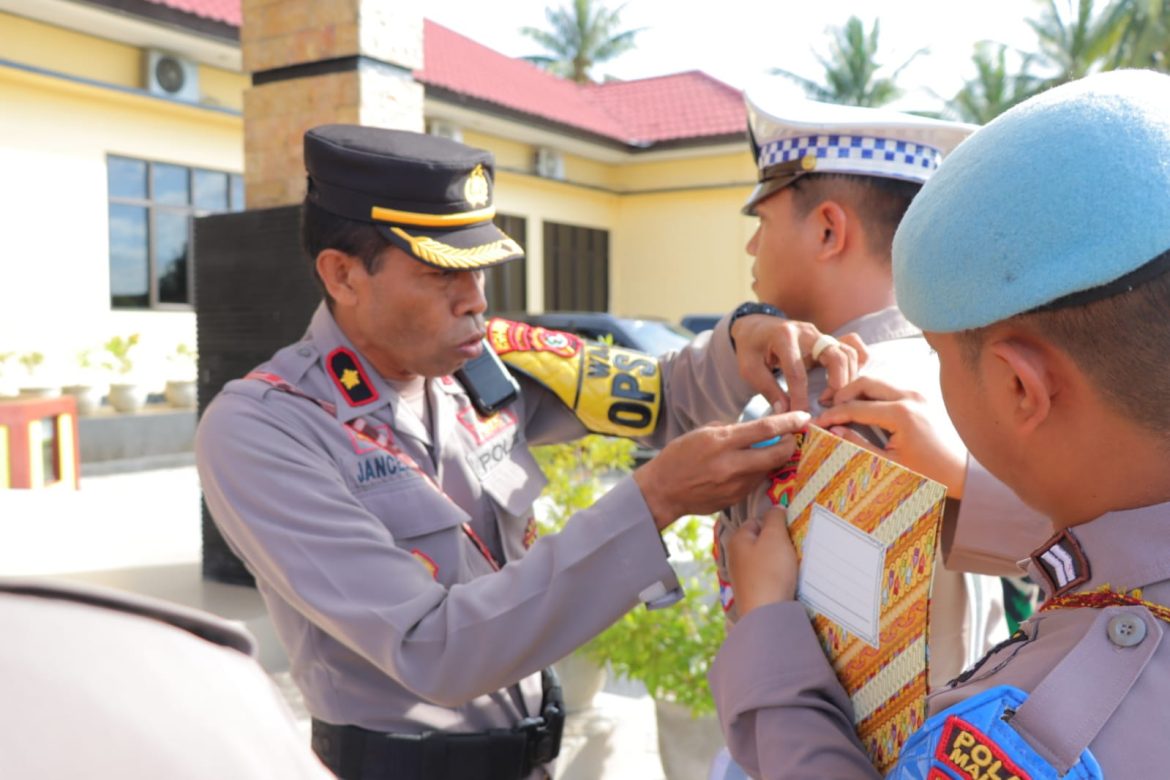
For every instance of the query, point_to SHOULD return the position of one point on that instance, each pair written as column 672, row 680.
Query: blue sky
column 739, row 40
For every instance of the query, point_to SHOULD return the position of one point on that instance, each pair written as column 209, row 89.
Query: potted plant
column 88, row 391
column 575, row 471
column 180, row 389
column 126, row 395
column 35, row 386
column 670, row 650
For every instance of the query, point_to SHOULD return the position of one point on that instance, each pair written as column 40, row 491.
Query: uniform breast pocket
column 422, row 521
column 513, row 486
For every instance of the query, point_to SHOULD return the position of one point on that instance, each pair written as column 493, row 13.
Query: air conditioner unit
column 549, row 163
column 445, row 129
column 171, row 76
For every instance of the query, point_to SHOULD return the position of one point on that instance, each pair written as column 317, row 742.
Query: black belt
column 354, row 753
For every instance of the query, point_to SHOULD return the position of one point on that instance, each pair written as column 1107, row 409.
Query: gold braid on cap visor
column 443, row 255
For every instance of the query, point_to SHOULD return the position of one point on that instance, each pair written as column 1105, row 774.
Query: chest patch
column 484, row 429
column 484, row 459
column 427, row 562
column 967, row 750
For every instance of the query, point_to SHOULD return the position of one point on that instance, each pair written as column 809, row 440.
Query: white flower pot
column 581, row 680
column 39, row 392
column 127, row 397
column 181, row 393
column 686, row 745
column 88, row 397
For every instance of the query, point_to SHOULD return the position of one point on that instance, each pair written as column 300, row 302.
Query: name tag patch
column 967, row 750
column 381, row 467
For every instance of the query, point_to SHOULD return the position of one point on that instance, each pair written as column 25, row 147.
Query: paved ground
column 139, row 531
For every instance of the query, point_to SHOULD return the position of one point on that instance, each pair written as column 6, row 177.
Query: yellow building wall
column 55, row 135
column 681, row 253
column 64, row 51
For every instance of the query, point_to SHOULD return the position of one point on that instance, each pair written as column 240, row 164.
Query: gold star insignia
column 350, row 379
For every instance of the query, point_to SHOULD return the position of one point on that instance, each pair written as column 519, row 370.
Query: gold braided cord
column 1106, row 596
column 432, row 220
column 446, row 256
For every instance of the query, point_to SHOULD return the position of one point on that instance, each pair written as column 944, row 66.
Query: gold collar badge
column 475, row 189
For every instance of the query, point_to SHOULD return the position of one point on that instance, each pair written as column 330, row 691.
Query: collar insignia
column 1063, row 564
column 475, row 190
column 350, row 378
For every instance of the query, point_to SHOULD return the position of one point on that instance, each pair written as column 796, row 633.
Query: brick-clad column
column 319, row 61
column 312, row 62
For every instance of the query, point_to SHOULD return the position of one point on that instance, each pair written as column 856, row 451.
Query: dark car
column 645, row 334
column 698, row 323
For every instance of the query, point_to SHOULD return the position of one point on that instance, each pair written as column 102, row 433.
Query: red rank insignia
column 347, row 374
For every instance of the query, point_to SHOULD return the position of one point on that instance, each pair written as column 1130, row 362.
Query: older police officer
column 388, row 521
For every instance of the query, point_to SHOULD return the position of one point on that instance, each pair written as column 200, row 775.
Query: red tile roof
column 640, row 113
column 227, row 11
column 688, row 105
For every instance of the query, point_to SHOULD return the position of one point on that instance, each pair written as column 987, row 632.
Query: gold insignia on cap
column 435, row 252
column 809, row 161
column 475, row 190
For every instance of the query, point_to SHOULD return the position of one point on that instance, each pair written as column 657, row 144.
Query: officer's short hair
column 880, row 202
column 321, row 230
column 1120, row 342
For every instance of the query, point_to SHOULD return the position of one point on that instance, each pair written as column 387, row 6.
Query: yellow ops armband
column 612, row 390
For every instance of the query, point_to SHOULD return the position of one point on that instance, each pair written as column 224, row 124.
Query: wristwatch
column 750, row 307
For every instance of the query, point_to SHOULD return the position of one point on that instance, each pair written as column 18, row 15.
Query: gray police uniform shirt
column 377, row 593
column 1095, row 677
column 103, row 684
column 966, row 610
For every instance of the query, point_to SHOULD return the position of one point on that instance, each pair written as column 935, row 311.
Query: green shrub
column 669, row 650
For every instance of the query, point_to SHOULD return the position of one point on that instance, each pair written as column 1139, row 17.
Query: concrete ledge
column 157, row 430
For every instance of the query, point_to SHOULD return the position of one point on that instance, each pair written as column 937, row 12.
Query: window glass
column 211, row 191
column 170, row 255
column 151, row 209
column 170, row 184
column 127, row 178
column 129, row 257
column 237, row 192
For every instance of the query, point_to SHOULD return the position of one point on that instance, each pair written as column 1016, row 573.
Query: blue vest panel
column 972, row 741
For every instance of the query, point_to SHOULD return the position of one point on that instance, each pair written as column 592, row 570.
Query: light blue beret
column 1064, row 193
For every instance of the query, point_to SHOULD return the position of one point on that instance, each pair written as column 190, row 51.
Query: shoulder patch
column 612, row 390
column 350, row 378
column 968, row 750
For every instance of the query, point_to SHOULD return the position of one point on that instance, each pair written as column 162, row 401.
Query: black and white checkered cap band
column 855, row 154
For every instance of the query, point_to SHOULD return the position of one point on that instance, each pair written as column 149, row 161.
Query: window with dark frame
column 576, row 268
column 151, row 206
column 506, row 286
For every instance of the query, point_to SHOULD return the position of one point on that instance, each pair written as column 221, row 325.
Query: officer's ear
column 831, row 223
column 1026, row 377
column 339, row 272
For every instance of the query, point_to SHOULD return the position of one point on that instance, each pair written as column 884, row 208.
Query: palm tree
column 994, row 89
column 1073, row 41
column 851, row 69
column 1143, row 34
column 580, row 36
